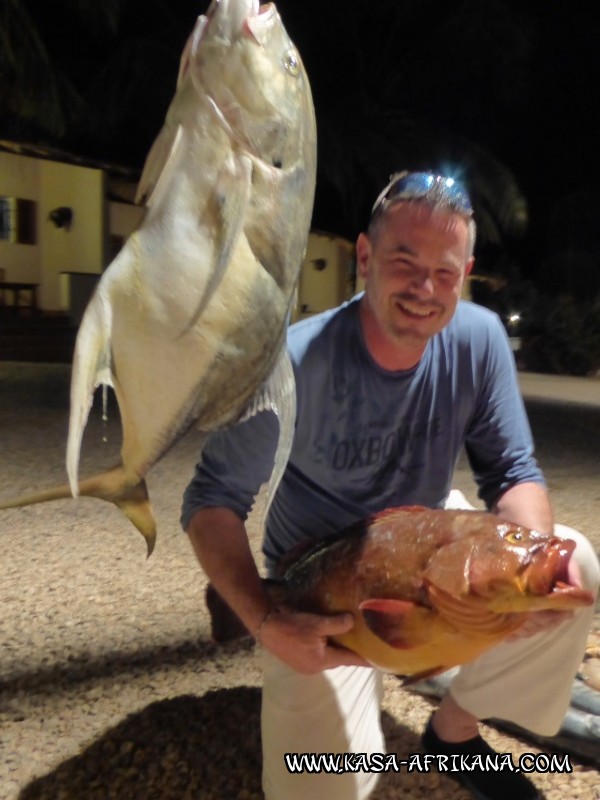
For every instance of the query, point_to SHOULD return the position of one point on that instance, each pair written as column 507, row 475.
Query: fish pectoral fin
column 160, row 165
column 399, row 623
column 472, row 617
column 232, row 198
column 131, row 498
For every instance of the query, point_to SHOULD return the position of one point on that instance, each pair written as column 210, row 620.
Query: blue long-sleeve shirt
column 367, row 438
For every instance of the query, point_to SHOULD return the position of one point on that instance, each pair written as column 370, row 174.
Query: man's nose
column 423, row 283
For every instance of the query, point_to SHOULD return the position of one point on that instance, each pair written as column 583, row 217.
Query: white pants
column 527, row 682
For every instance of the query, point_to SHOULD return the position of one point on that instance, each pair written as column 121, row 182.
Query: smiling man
column 414, row 261
column 390, row 387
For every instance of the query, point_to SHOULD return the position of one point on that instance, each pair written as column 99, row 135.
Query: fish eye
column 277, row 163
column 515, row 536
column 290, row 62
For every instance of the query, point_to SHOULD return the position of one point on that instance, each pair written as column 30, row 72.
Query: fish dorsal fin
column 399, row 623
column 233, row 187
column 162, row 160
column 397, row 511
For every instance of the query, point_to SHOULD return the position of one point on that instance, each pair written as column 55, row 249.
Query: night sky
column 500, row 92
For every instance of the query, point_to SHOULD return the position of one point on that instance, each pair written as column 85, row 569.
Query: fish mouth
column 230, row 18
column 547, row 573
column 227, row 18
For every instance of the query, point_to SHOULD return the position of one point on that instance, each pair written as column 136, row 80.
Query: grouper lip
column 547, row 569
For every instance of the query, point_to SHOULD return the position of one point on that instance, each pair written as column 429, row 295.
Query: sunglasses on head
column 425, row 185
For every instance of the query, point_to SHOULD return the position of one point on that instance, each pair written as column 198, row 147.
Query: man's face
column 414, row 268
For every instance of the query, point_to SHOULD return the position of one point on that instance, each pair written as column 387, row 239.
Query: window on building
column 7, row 219
column 17, row 220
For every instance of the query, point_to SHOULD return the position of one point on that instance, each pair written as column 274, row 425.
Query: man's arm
column 220, row 542
column 526, row 504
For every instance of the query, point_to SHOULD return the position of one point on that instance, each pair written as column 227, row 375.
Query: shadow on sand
column 205, row 748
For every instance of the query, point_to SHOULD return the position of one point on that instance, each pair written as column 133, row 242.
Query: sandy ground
column 109, row 684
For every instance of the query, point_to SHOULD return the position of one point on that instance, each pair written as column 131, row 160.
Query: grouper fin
column 279, row 395
column 161, row 162
column 91, row 367
column 117, row 487
column 471, row 617
column 423, row 676
column 399, row 623
column 233, row 196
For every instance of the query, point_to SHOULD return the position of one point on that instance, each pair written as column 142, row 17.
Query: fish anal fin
column 279, row 395
column 91, row 366
column 399, row 623
column 423, row 676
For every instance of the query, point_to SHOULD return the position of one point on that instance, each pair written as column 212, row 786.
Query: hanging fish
column 188, row 323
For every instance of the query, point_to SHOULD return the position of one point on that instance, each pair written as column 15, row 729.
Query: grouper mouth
column 547, row 572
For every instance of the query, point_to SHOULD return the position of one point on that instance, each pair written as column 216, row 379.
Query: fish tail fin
column 131, row 498
column 116, row 487
column 91, row 367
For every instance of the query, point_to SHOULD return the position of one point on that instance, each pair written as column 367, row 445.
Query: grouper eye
column 290, row 62
column 515, row 536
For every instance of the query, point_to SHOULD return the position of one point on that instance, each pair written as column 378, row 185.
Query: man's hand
column 538, row 621
column 302, row 640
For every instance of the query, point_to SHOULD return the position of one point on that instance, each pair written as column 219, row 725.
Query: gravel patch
column 109, row 684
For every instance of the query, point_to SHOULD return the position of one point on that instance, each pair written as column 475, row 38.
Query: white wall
column 19, row 177
column 80, row 248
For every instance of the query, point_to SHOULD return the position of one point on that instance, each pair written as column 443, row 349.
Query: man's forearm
column 220, row 542
column 299, row 639
column 526, row 504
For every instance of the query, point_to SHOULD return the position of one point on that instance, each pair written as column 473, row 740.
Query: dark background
column 502, row 93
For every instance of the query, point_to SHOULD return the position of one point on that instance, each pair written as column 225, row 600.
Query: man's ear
column 469, row 266
column 363, row 255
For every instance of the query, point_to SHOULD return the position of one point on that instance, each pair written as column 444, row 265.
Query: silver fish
column 188, row 323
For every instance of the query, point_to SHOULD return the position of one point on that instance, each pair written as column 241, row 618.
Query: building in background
column 63, row 220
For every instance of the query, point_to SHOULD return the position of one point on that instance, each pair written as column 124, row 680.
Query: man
column 390, row 387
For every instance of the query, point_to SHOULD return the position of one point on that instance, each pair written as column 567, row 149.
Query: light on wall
column 61, row 217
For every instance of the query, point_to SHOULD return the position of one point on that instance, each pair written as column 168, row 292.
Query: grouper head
column 508, row 568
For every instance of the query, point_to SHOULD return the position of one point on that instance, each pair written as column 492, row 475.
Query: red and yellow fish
column 430, row 589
